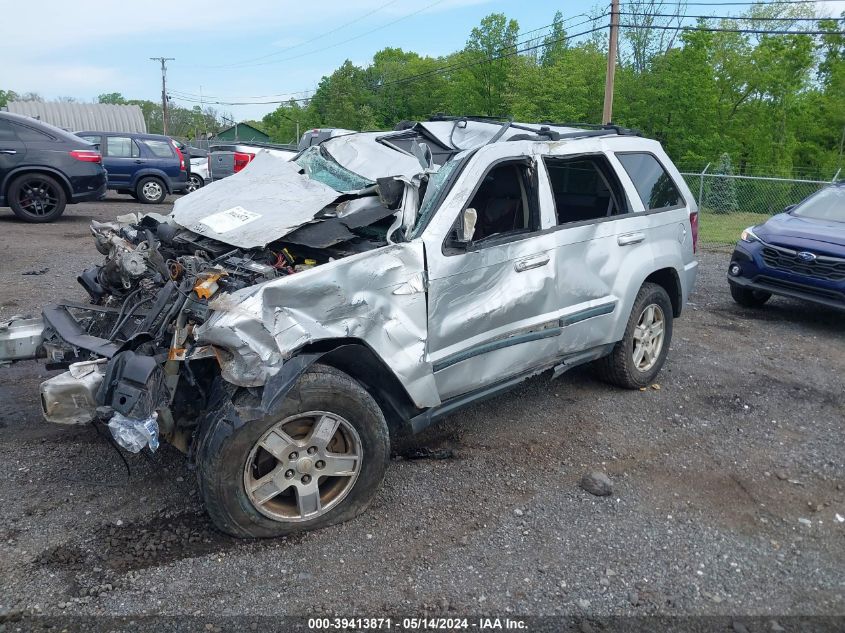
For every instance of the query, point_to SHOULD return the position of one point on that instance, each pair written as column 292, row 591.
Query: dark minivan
column 145, row 166
column 43, row 168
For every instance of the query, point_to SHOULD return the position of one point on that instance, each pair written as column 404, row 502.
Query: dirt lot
column 728, row 478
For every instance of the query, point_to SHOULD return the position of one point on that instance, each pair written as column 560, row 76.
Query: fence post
column 701, row 186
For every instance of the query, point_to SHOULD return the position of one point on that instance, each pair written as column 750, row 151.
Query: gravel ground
column 728, row 476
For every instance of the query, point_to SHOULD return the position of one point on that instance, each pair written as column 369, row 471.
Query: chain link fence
column 764, row 195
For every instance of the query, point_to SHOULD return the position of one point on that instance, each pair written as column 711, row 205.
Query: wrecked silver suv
column 281, row 326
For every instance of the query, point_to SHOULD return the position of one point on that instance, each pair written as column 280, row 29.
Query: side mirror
column 466, row 227
column 789, row 208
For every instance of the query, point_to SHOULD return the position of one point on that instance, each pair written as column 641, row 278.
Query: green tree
column 721, row 195
column 490, row 55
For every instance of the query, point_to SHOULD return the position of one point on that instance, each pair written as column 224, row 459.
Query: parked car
column 799, row 253
column 283, row 350
column 197, row 165
column 225, row 159
column 198, row 176
column 320, row 134
column 44, row 168
column 145, row 166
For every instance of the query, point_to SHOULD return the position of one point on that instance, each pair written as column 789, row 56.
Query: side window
column 656, row 189
column 585, row 188
column 6, row 132
column 91, row 139
column 26, row 133
column 121, row 147
column 162, row 149
column 505, row 202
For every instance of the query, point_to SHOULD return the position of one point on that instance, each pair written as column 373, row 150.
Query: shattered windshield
column 437, row 185
column 322, row 168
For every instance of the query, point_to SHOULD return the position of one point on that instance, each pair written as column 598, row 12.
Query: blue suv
column 145, row 166
column 799, row 253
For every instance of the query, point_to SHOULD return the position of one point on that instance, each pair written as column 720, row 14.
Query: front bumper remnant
column 20, row 339
column 71, row 397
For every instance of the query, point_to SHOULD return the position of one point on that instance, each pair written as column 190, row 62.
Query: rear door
column 12, row 150
column 601, row 246
column 121, row 158
column 162, row 155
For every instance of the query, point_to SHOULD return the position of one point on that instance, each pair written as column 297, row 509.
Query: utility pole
column 613, row 44
column 163, row 61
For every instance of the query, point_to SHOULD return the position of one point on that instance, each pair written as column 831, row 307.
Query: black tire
column 37, row 198
column 618, row 367
column 150, row 190
column 748, row 297
column 223, row 459
column 195, row 182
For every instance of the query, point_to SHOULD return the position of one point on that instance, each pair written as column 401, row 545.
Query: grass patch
column 717, row 228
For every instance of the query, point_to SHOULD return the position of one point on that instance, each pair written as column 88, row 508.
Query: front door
column 12, row 149
column 492, row 301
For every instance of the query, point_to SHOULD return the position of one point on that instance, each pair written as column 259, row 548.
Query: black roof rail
column 621, row 131
column 545, row 134
column 618, row 129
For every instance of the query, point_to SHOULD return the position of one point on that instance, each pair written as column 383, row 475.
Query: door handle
column 535, row 261
column 138, row 162
column 630, row 238
column 8, row 151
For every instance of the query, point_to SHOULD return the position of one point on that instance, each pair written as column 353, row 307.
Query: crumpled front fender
column 378, row 297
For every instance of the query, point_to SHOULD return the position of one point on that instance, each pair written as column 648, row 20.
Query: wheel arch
column 670, row 281
column 355, row 358
column 150, row 173
column 47, row 171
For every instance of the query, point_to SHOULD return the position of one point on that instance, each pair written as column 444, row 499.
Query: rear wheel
column 37, row 198
column 150, row 190
column 318, row 461
column 637, row 359
column 748, row 297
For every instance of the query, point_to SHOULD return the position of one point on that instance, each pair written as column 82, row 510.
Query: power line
column 724, row 17
column 341, row 43
column 233, row 101
column 739, row 4
column 313, row 39
column 728, row 30
column 513, row 50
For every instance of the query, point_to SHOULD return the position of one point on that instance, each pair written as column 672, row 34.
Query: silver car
column 290, row 322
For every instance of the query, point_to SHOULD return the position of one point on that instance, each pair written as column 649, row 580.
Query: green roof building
column 242, row 132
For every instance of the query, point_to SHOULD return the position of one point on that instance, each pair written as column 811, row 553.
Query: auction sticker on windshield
column 230, row 219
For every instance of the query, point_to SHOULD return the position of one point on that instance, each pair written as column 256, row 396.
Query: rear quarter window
column 161, row 149
column 654, row 186
column 26, row 133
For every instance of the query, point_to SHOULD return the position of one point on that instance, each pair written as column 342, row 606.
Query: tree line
column 774, row 103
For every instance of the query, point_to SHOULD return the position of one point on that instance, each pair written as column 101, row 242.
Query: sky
column 253, row 50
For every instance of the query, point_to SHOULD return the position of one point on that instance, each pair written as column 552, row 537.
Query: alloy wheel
column 648, row 337
column 38, row 197
column 303, row 466
column 194, row 183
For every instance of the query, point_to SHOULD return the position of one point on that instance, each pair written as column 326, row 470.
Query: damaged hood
column 260, row 204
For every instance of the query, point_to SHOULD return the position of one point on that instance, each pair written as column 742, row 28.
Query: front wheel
column 150, row 191
column 637, row 359
column 748, row 297
column 318, row 461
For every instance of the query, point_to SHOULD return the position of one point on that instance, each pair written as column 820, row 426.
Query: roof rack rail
column 621, row 131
